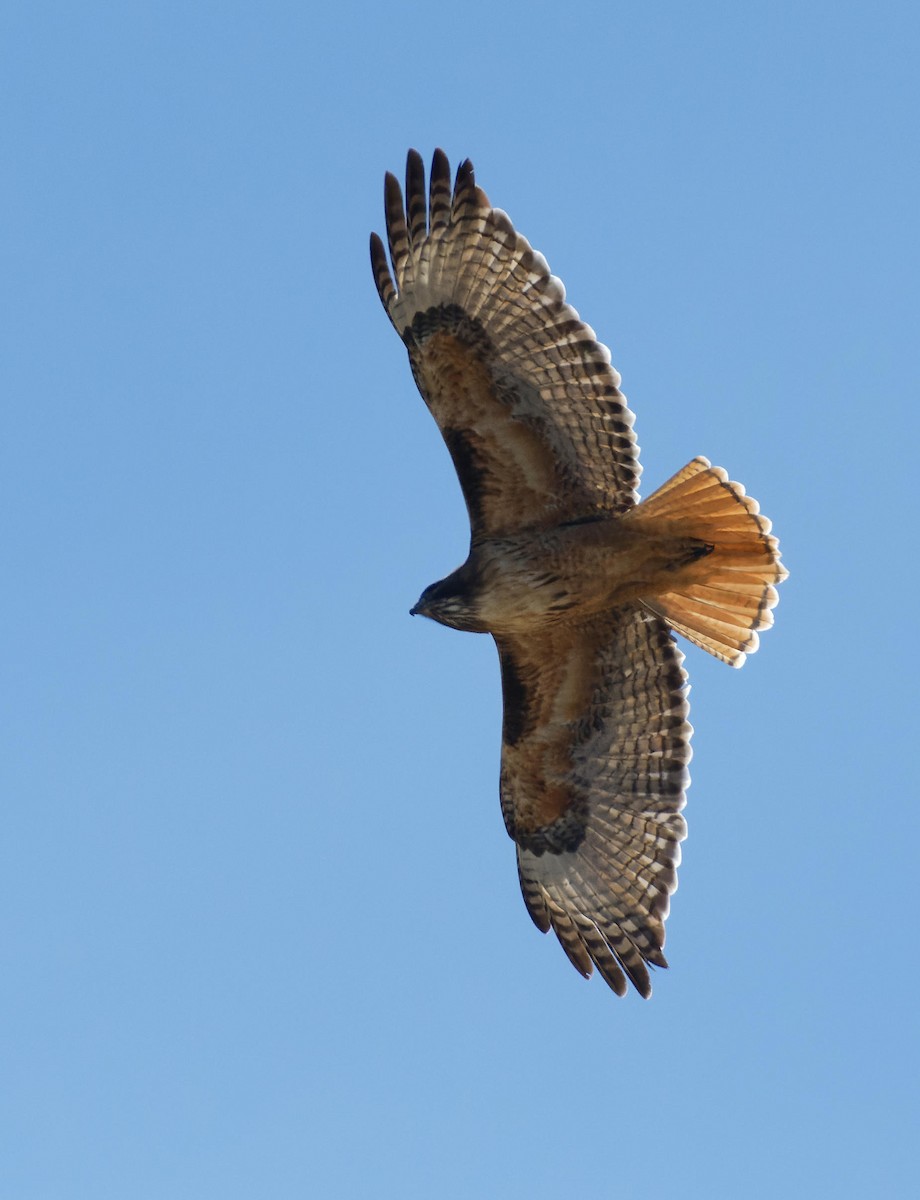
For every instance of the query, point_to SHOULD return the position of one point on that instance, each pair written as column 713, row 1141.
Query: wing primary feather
column 630, row 958
column 439, row 192
column 605, row 960
column 571, row 941
column 397, row 231
column 534, row 898
column 439, row 196
column 626, row 941
column 382, row 277
column 416, row 206
column 464, row 197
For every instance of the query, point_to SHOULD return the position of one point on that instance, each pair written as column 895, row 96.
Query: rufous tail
column 721, row 600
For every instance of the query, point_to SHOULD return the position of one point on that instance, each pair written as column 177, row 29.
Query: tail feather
column 674, row 495
column 746, row 582
column 729, row 643
column 726, row 601
column 721, row 600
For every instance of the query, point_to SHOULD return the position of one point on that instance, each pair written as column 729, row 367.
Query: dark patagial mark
column 516, row 719
column 472, row 470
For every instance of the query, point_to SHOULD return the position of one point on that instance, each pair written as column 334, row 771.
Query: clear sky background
column 260, row 930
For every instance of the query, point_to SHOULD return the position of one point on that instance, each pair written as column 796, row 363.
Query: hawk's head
column 450, row 602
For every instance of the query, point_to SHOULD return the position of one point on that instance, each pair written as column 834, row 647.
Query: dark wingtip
column 465, row 190
column 466, row 174
column 392, row 194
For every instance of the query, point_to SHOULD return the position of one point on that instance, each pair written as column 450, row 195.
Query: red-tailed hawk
column 579, row 584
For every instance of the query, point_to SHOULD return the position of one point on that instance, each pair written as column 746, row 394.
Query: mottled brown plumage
column 577, row 582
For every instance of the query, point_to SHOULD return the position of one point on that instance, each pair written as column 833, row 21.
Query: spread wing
column 522, row 391
column 595, row 749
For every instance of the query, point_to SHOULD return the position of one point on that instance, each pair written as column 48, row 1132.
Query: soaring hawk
column 579, row 584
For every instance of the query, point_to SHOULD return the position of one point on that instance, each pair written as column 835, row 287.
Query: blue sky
column 260, row 931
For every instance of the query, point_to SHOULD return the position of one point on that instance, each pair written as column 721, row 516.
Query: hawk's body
column 578, row 583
